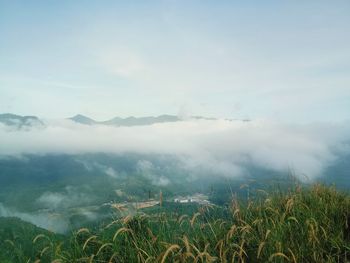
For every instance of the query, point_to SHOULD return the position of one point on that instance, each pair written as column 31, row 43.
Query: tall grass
column 298, row 225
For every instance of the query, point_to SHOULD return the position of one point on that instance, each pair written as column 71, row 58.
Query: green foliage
column 297, row 225
column 16, row 241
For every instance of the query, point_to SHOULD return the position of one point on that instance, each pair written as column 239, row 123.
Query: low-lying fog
column 221, row 145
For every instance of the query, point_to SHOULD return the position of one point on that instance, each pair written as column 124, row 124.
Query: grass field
column 302, row 224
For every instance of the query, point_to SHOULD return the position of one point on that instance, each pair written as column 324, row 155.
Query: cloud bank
column 219, row 146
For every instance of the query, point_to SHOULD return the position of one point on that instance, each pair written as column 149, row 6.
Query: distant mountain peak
column 19, row 121
column 79, row 118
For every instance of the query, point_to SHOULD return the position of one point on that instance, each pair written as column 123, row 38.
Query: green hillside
column 297, row 225
column 16, row 242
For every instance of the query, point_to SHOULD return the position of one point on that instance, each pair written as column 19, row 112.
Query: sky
column 274, row 60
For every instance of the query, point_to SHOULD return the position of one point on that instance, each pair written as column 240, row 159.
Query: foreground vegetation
column 299, row 225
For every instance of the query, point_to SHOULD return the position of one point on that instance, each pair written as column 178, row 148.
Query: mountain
column 129, row 121
column 133, row 121
column 19, row 121
column 83, row 119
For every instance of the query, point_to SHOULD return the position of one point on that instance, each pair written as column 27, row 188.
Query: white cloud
column 90, row 166
column 219, row 146
column 70, row 197
column 147, row 169
column 111, row 172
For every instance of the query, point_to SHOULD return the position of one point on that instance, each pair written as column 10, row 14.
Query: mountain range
column 19, row 121
column 129, row 121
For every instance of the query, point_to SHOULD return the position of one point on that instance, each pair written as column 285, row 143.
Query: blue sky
column 280, row 60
